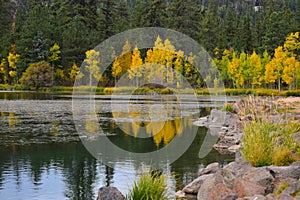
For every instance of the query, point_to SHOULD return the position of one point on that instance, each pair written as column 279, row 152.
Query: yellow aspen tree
column 116, row 69
column 178, row 67
column 256, row 69
column 191, row 72
column 54, row 56
column 54, row 53
column 157, row 56
column 148, row 62
column 244, row 72
column 274, row 68
column 92, row 66
column 169, row 55
column 125, row 58
column 12, row 59
column 292, row 45
column 75, row 73
column 270, row 74
column 3, row 75
column 234, row 72
column 292, row 48
column 136, row 67
column 289, row 67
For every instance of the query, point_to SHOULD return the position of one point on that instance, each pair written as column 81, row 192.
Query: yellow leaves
column 292, row 43
column 137, row 61
column 2, row 66
column 75, row 73
column 54, row 53
column 12, row 60
column 116, row 68
column 92, row 62
column 122, row 63
column 12, row 73
column 290, row 65
column 60, row 73
column 256, row 69
column 233, row 66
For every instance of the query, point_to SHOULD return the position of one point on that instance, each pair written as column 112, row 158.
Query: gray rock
column 203, row 121
column 193, row 187
column 239, row 167
column 294, row 188
column 209, row 169
column 270, row 197
column 256, row 197
column 217, row 117
column 181, row 195
column 216, row 187
column 110, row 193
column 292, row 171
column 285, row 196
column 260, row 176
column 246, row 188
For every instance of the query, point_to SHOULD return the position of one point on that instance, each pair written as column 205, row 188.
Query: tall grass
column 267, row 143
column 150, row 186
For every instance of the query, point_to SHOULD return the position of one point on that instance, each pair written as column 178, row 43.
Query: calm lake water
column 42, row 156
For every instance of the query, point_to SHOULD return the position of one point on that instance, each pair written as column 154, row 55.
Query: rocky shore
column 239, row 179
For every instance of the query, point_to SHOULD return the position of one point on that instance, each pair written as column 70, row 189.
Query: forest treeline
column 58, row 33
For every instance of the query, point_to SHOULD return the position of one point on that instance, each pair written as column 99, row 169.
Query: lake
column 44, row 155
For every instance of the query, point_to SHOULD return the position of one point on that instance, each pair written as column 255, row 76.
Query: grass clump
column 257, row 143
column 267, row 143
column 283, row 157
column 150, row 186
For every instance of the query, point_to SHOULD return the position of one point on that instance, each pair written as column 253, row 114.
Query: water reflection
column 28, row 172
column 41, row 156
column 60, row 171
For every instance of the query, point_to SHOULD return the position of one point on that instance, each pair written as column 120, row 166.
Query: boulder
column 211, row 168
column 239, row 167
column 217, row 117
column 193, row 187
column 245, row 188
column 256, row 197
column 292, row 171
column 216, row 187
column 270, row 197
column 260, row 176
column 110, row 193
column 285, row 196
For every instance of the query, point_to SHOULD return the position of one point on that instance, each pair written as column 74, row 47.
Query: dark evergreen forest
column 36, row 30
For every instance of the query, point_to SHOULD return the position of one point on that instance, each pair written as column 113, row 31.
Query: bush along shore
column 265, row 135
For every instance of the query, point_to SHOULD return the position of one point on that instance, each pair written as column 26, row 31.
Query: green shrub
column 149, row 187
column 228, row 107
column 165, row 91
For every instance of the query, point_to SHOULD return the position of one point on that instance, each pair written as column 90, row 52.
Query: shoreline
column 239, row 179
